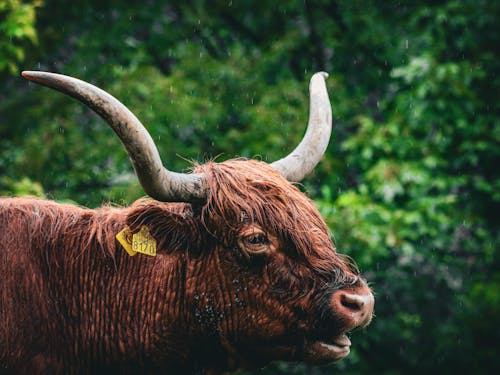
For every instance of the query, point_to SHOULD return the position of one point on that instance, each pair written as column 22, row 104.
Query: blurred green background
column 409, row 185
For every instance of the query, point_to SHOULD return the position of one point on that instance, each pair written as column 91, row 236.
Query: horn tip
column 29, row 74
column 323, row 74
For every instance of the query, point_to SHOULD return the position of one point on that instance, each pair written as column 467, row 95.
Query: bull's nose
column 354, row 307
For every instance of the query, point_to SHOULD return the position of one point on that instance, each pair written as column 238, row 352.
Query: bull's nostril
column 352, row 306
column 351, row 301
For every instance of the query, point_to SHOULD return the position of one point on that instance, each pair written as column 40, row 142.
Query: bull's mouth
column 322, row 352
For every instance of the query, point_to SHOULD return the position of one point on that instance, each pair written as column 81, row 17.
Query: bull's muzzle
column 353, row 306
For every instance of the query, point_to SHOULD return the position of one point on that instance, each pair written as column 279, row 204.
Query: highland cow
column 225, row 268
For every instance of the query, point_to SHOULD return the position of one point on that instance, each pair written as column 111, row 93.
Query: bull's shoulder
column 32, row 225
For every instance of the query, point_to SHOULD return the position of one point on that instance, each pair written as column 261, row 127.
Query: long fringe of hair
column 254, row 191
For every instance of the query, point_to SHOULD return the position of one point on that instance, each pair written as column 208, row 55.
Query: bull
column 228, row 267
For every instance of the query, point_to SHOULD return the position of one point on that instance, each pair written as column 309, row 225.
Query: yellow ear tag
column 125, row 239
column 143, row 242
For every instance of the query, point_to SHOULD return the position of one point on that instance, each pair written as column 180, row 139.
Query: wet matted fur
column 72, row 300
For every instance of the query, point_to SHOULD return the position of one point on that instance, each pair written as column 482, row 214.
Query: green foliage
column 409, row 185
column 17, row 30
column 20, row 187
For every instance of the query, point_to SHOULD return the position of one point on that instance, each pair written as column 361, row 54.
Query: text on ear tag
column 143, row 242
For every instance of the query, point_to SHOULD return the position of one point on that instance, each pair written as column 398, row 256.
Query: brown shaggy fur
column 72, row 300
column 267, row 198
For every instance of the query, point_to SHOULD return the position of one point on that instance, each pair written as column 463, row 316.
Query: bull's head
column 261, row 278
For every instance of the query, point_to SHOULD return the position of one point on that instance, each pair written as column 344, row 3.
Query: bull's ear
column 254, row 241
column 171, row 225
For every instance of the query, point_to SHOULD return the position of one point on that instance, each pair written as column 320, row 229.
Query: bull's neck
column 127, row 309
column 213, row 316
column 141, row 312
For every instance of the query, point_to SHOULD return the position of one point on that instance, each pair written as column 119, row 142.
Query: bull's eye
column 254, row 241
column 259, row 239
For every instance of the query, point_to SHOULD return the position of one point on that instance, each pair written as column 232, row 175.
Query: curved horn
column 157, row 181
column 310, row 150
